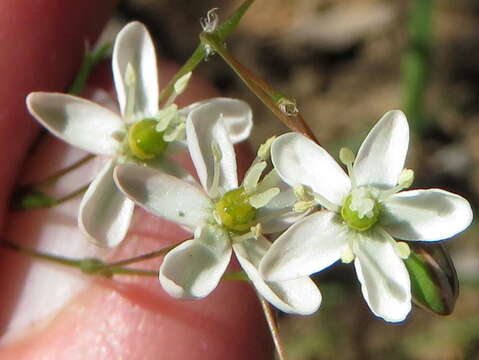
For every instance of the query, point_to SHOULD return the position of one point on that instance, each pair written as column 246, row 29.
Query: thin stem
column 416, row 62
column 55, row 176
column 71, row 196
column 94, row 266
column 271, row 98
column 40, row 255
column 224, row 30
column 147, row 256
column 89, row 61
column 273, row 327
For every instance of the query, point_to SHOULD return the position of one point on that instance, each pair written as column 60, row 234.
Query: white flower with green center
column 223, row 216
column 143, row 133
column 363, row 214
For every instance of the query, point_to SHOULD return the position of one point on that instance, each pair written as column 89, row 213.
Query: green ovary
column 353, row 218
column 235, row 211
column 144, row 141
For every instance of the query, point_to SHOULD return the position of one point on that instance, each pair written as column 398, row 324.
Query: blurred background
column 347, row 62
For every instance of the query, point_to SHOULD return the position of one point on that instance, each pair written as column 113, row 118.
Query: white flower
column 142, row 133
column 223, row 216
column 363, row 214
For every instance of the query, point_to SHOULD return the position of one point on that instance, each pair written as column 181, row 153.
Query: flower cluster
column 293, row 185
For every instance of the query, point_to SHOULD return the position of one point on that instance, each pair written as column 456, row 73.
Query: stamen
column 179, row 87
column 252, row 176
column 264, row 151
column 303, row 206
column 262, row 199
column 176, row 133
column 165, row 116
column 346, row 156
column 326, row 203
column 182, row 83
column 270, row 180
column 402, row 249
column 406, row 179
column 347, row 255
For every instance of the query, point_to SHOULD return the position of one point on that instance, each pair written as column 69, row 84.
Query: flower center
column 235, row 212
column 145, row 141
column 361, row 210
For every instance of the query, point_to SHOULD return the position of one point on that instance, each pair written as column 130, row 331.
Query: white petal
column 381, row 156
column 203, row 128
column 308, row 246
column 299, row 160
column 77, row 121
column 383, row 276
column 278, row 214
column 105, row 212
column 425, row 215
column 133, row 45
column 171, row 167
column 194, row 268
column 298, row 296
column 237, row 116
column 164, row 195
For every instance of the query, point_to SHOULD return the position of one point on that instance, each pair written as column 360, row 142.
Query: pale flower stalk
column 363, row 214
column 142, row 133
column 223, row 216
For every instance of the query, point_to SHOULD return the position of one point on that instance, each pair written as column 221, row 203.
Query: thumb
column 52, row 312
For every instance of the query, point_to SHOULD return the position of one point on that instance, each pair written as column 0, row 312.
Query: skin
column 49, row 312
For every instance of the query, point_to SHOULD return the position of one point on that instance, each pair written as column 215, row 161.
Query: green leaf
column 434, row 282
column 31, row 198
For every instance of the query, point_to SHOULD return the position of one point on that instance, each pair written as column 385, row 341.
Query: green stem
column 273, row 327
column 71, row 196
column 94, row 266
column 416, row 62
column 144, row 257
column 57, row 175
column 273, row 99
column 89, row 61
column 223, row 31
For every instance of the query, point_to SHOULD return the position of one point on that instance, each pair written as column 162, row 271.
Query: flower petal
column 278, row 214
column 383, row 276
column 237, row 116
column 299, row 160
column 381, row 156
column 204, row 128
column 308, row 246
column 77, row 121
column 105, row 212
column 425, row 215
column 133, row 45
column 297, row 296
column 194, row 268
column 164, row 195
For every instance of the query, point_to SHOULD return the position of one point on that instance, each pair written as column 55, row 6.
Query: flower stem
column 143, row 257
column 416, row 62
column 90, row 59
column 93, row 266
column 284, row 108
column 273, row 327
column 223, row 31
column 72, row 195
column 57, row 175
